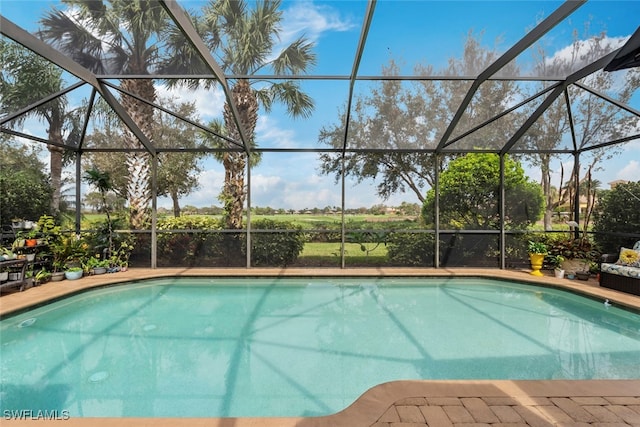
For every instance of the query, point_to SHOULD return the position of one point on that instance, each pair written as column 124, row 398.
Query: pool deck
column 401, row 403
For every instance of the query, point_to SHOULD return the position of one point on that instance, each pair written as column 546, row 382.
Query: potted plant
column 120, row 257
column 556, row 261
column 585, row 272
column 73, row 273
column 42, row 276
column 30, row 237
column 94, row 265
column 58, row 271
column 579, row 255
column 537, row 252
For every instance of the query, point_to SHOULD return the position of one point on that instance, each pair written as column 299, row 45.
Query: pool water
column 203, row 347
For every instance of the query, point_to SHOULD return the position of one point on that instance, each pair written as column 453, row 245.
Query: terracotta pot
column 31, row 242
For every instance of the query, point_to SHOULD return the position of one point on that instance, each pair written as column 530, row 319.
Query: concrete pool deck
column 400, row 403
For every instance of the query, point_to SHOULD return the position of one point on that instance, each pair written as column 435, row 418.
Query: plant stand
column 536, row 264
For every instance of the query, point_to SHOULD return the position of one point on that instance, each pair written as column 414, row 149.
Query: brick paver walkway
column 509, row 411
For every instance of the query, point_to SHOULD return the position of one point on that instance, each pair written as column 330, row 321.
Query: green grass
column 328, row 255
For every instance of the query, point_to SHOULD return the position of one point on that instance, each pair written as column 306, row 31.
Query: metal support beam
column 580, row 74
column 36, row 45
column 540, row 30
column 183, row 22
column 368, row 17
column 43, row 101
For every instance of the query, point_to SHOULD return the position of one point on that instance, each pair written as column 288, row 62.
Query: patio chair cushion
column 629, row 257
column 620, row 270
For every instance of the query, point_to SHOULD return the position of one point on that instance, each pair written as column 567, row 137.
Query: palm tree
column 244, row 41
column 25, row 79
column 102, row 182
column 117, row 37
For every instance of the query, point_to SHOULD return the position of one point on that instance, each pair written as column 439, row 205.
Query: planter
column 4, row 276
column 57, row 276
column 73, row 275
column 536, row 264
column 31, row 242
column 31, row 257
column 559, row 273
column 583, row 275
column 99, row 270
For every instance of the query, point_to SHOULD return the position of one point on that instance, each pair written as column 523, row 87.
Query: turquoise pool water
column 287, row 347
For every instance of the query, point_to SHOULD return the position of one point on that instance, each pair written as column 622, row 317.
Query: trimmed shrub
column 280, row 247
column 185, row 246
column 411, row 249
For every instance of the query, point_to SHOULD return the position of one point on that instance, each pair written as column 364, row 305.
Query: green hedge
column 277, row 248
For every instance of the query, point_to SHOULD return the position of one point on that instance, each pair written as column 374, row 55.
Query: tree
column 177, row 171
column 25, row 190
column 244, row 41
column 102, row 182
column 469, row 196
column 594, row 119
column 397, row 116
column 120, row 37
column 617, row 213
column 26, row 78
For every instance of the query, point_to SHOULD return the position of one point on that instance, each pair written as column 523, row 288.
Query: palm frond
column 296, row 58
column 298, row 103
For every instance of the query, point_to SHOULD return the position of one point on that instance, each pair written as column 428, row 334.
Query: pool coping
column 386, row 404
column 18, row 301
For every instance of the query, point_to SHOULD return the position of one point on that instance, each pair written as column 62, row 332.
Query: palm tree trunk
column 55, row 165
column 234, row 192
column 139, row 193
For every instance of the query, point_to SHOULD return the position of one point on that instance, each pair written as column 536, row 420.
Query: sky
column 408, row 32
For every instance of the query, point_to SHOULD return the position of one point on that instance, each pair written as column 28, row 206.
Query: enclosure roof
column 549, row 53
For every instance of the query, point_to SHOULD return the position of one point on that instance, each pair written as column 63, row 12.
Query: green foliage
column 574, row 249
column 411, row 249
column 617, row 214
column 555, row 260
column 368, row 240
column 195, row 241
column 25, row 190
column 278, row 248
column 470, row 195
column 536, row 247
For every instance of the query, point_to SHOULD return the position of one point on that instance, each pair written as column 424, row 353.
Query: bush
column 279, row 248
column 617, row 214
column 574, row 249
column 411, row 249
column 181, row 247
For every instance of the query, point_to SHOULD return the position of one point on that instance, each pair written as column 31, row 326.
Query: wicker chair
column 619, row 277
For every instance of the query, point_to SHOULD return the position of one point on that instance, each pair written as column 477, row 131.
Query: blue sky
column 428, row 32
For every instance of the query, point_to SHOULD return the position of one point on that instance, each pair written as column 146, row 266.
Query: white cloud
column 209, row 103
column 207, row 195
column 270, row 135
column 311, row 20
column 630, row 172
column 582, row 52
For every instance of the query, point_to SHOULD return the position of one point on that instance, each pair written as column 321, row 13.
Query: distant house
column 613, row 184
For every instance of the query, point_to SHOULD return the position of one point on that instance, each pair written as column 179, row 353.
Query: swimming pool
column 203, row 347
